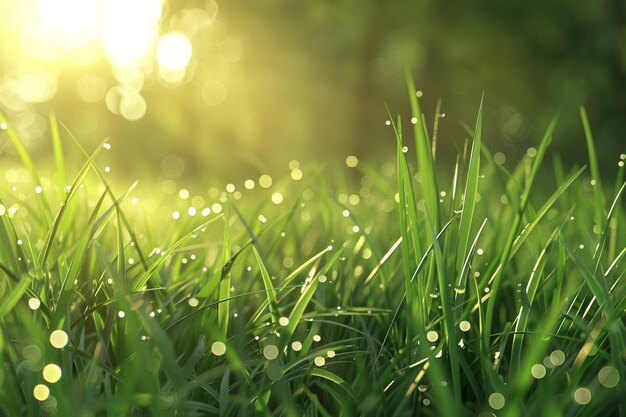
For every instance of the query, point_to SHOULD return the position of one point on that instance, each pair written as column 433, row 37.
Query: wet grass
column 480, row 289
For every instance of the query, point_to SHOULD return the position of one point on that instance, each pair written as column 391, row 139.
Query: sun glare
column 69, row 16
column 174, row 52
column 130, row 29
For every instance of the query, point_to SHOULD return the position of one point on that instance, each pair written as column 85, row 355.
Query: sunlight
column 69, row 16
column 174, row 52
column 130, row 29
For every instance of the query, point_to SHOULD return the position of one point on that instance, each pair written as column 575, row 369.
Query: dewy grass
column 501, row 294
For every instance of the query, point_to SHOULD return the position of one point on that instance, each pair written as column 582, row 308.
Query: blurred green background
column 227, row 89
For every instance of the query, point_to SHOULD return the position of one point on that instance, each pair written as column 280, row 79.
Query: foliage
column 485, row 288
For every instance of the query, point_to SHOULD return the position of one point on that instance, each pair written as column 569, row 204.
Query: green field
column 416, row 287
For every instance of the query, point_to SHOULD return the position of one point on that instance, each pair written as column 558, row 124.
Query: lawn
column 416, row 287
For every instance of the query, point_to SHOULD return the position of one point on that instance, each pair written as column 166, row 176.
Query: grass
column 480, row 289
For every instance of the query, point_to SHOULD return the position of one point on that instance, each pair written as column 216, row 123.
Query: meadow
column 487, row 287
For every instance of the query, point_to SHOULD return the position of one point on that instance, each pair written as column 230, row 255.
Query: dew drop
column 459, row 290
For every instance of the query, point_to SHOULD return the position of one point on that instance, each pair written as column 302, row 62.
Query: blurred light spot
column 51, row 373
column 129, row 30
column 132, row 106
column 176, row 215
column 582, row 396
column 330, row 354
column 265, row 181
column 31, row 353
column 283, row 321
column 249, row 184
column 557, row 357
column 121, row 314
column 274, row 372
column 193, row 302
column 92, row 88
column 34, row 303
column 270, row 352
column 296, row 346
column 352, row 161
column 231, row 49
column 172, row 166
column 465, row 326
column 532, row 152
column 496, row 400
column 213, row 93
column 277, row 198
column 317, row 338
column 58, row 339
column 432, row 336
column 319, row 361
column 218, row 348
column 499, row 158
column 36, row 87
column 296, row 174
column 41, row 392
column 216, row 208
column 608, row 376
column 174, row 51
column 538, row 371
